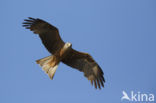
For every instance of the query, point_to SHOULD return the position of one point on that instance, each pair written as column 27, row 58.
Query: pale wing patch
column 95, row 69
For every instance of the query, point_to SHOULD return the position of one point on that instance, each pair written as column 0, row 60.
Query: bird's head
column 67, row 45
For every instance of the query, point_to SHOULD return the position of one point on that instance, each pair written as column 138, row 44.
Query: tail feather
column 48, row 65
column 44, row 60
column 52, row 71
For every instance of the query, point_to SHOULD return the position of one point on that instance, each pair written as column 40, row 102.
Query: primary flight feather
column 63, row 52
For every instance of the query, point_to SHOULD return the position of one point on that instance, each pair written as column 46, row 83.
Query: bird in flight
column 63, row 52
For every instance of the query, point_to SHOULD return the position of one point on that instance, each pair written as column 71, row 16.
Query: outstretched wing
column 85, row 63
column 48, row 33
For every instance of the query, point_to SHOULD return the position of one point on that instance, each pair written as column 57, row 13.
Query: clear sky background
column 119, row 34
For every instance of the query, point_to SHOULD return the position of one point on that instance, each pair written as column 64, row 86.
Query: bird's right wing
column 48, row 33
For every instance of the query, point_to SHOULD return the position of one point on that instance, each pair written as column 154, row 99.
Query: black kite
column 63, row 52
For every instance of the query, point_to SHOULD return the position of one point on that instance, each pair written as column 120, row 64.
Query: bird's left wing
column 85, row 63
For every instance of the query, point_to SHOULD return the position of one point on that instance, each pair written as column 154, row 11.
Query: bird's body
column 63, row 52
column 50, row 63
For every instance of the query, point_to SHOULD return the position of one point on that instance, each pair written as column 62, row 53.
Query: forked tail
column 48, row 65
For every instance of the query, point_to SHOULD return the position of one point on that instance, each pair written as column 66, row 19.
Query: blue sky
column 119, row 34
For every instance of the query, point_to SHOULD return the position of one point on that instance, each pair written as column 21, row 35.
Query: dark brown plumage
column 52, row 41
